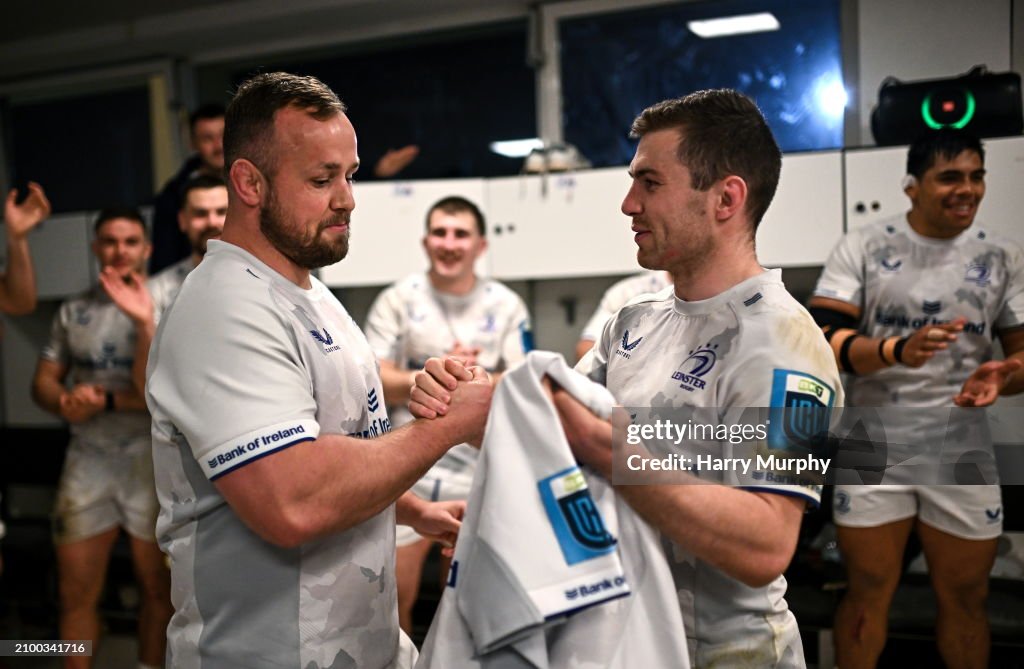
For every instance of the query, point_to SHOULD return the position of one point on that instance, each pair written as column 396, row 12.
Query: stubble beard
column 309, row 254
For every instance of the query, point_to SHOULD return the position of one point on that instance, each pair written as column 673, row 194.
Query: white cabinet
column 1002, row 210
column 873, row 190
column 61, row 255
column 560, row 225
column 387, row 229
column 805, row 219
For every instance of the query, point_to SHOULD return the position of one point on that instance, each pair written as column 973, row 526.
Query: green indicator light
column 929, row 120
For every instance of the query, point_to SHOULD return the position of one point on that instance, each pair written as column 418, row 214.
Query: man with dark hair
column 206, row 132
column 726, row 336
column 279, row 478
column 107, row 482
column 910, row 306
column 448, row 310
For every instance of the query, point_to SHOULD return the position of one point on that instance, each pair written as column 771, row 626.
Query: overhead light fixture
column 516, row 148
column 734, row 25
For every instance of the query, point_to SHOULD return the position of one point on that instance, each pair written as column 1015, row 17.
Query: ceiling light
column 516, row 148
column 734, row 25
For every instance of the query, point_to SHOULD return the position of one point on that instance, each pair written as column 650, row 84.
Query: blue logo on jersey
column 574, row 517
column 490, row 324
column 931, row 308
column 993, row 516
column 371, row 400
column 891, row 265
column 979, row 274
column 801, row 407
column 627, row 345
column 700, row 361
column 325, row 338
column 82, row 316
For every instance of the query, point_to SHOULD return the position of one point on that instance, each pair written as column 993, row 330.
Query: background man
column 616, row 297
column 277, row 471
column 446, row 310
column 107, row 482
column 206, row 131
column 968, row 284
column 704, row 173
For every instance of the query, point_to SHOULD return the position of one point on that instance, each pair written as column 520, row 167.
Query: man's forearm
column 749, row 536
column 47, row 393
column 18, row 285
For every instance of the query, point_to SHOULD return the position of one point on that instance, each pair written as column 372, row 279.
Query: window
column 613, row 65
column 452, row 94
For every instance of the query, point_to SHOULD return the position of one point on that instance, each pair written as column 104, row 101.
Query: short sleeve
column 518, row 336
column 237, row 391
column 384, row 325
column 56, row 348
column 843, row 276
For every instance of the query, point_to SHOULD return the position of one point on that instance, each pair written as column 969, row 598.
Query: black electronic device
column 984, row 103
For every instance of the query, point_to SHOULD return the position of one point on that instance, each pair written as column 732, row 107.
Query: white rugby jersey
column 96, row 341
column 410, row 321
column 246, row 363
column 621, row 292
column 902, row 281
column 750, row 346
column 164, row 286
column 548, row 572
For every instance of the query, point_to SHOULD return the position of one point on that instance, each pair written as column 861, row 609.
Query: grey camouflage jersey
column 96, row 341
column 902, row 281
column 746, row 345
column 245, row 363
column 164, row 286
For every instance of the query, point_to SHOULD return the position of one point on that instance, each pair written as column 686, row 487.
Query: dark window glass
column 88, row 152
column 614, row 65
column 450, row 94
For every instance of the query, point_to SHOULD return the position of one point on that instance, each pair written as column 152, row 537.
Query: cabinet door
column 560, row 225
column 61, row 255
column 805, row 219
column 387, row 229
column 873, row 185
column 1002, row 209
column 22, row 339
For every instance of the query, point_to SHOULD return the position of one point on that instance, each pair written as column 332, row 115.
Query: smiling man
column 107, row 481
column 279, row 478
column 704, row 173
column 910, row 306
column 446, row 310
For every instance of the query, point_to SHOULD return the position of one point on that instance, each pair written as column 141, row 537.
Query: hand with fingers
column 982, row 388
column 21, row 218
column 82, row 402
column 926, row 341
column 129, row 293
column 449, row 390
column 440, row 522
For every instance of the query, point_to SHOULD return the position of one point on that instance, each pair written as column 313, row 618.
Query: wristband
column 110, row 401
column 897, row 352
column 844, row 354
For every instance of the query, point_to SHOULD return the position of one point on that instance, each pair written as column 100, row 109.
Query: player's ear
column 247, row 181
column 732, row 197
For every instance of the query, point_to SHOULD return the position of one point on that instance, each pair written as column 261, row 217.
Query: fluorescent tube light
column 516, row 148
column 734, row 25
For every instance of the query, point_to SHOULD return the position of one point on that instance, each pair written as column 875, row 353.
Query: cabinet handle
column 860, row 208
column 497, row 228
column 511, row 228
column 875, row 206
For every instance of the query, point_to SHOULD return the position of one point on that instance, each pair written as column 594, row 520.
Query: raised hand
column 20, row 218
column 129, row 293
